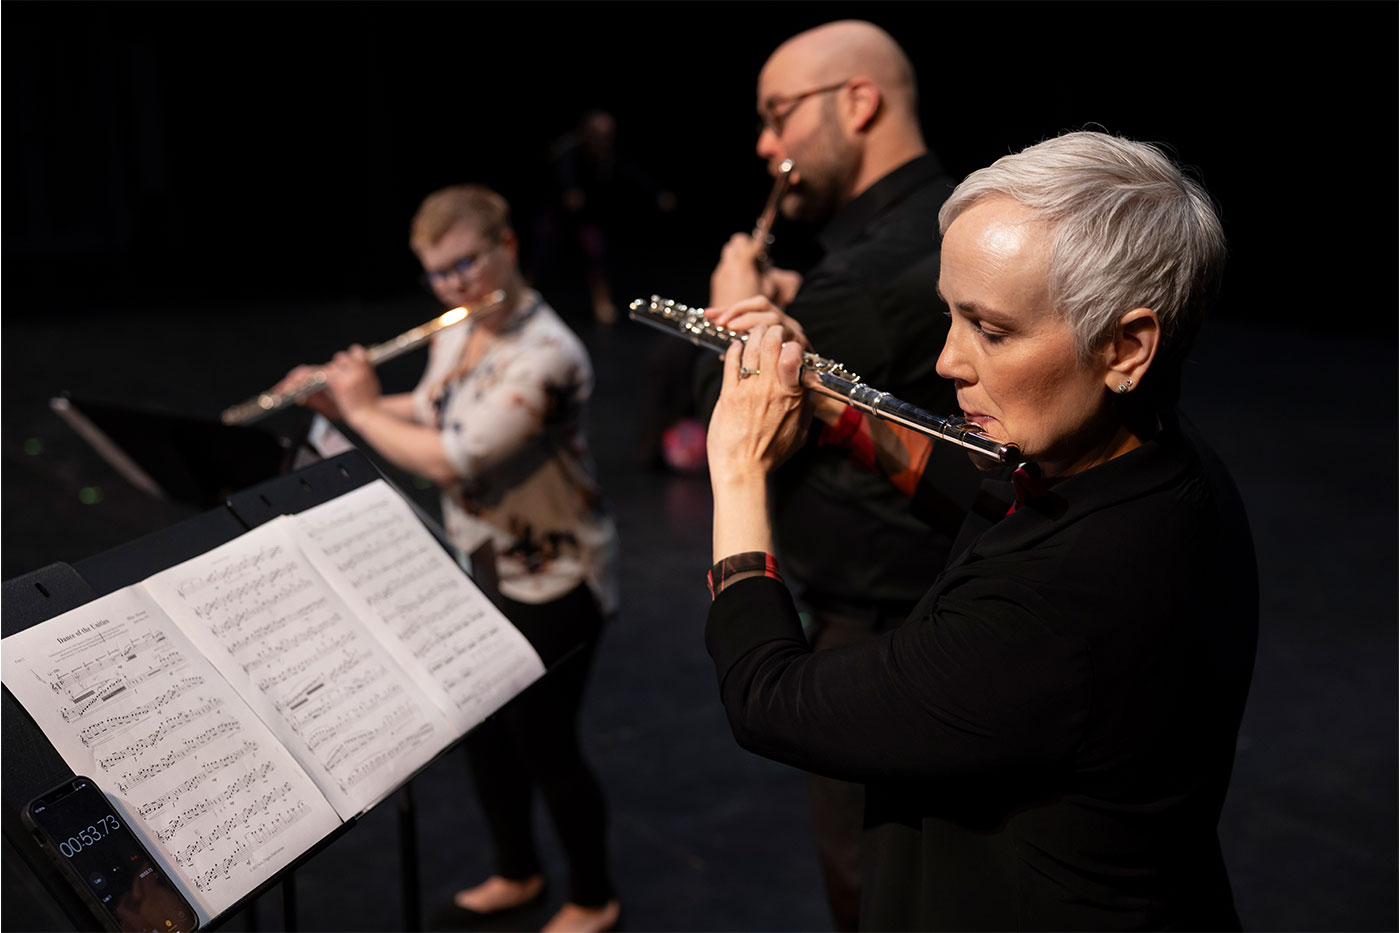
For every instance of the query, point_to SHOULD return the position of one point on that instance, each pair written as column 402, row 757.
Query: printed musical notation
column 127, row 699
column 210, row 803
column 165, row 729
column 187, row 747
column 442, row 628
column 402, row 744
column 158, row 804
column 326, row 719
column 133, row 716
column 275, row 826
column 275, row 628
column 102, row 664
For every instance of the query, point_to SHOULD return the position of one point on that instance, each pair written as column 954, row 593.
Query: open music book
column 239, row 706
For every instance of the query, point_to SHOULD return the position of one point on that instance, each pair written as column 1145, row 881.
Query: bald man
column 844, row 134
column 841, row 101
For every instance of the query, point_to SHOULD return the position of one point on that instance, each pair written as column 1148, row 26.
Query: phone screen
column 99, row 851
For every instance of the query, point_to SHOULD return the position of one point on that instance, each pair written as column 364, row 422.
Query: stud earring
column 1123, row 387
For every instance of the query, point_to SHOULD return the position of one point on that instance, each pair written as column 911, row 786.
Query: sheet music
column 306, row 664
column 127, row 700
column 442, row 628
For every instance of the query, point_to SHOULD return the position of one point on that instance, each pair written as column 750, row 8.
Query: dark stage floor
column 704, row 835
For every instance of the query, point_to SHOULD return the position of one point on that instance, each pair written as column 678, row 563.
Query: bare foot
column 572, row 918
column 496, row 894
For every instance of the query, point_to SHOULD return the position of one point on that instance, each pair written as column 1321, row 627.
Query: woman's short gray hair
column 1131, row 230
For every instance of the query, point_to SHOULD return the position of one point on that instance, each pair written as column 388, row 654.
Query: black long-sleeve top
column 1047, row 741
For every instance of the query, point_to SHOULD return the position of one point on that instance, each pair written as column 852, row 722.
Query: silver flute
column 827, row 377
column 763, row 229
column 265, row 403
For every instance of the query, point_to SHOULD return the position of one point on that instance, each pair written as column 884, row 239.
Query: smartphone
column 105, row 862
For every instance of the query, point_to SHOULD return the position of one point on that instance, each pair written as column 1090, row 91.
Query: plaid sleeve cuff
column 749, row 561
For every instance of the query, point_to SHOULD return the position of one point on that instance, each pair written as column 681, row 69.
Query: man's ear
column 1132, row 348
column 863, row 98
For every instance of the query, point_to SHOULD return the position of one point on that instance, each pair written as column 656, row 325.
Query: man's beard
column 825, row 175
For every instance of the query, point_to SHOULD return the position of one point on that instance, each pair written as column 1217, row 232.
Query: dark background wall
column 233, row 148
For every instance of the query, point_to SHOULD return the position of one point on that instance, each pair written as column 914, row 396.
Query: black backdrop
column 234, row 148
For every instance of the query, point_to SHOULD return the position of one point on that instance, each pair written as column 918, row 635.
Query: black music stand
column 177, row 457
column 37, row 896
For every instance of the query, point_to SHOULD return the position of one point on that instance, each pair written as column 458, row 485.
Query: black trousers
column 532, row 743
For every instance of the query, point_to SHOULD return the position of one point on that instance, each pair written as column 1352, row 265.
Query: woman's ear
column 511, row 242
column 1132, row 348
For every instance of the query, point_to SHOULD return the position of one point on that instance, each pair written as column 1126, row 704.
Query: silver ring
column 745, row 372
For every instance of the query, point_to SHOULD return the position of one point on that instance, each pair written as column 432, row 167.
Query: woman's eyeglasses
column 461, row 269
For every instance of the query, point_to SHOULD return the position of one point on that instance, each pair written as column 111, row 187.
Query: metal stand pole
column 289, row 903
column 408, row 860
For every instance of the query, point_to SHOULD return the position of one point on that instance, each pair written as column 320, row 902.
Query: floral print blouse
column 513, row 427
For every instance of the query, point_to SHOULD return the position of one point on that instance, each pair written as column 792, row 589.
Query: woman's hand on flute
column 745, row 315
column 351, row 379
column 761, row 417
column 320, row 402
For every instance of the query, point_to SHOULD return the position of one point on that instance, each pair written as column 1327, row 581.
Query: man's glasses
column 775, row 119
